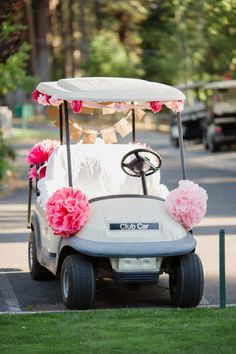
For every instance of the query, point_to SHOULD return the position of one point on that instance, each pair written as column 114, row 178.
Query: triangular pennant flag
column 139, row 114
column 123, row 127
column 57, row 122
column 75, row 130
column 87, row 110
column 109, row 135
column 89, row 136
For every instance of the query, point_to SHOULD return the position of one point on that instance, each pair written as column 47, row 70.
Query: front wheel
column 186, row 280
column 77, row 282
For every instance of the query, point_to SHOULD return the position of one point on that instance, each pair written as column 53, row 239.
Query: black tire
column 213, row 147
column 174, row 142
column 37, row 271
column 78, row 282
column 205, row 143
column 186, row 280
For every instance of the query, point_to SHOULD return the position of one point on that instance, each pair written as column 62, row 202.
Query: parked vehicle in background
column 193, row 116
column 220, row 126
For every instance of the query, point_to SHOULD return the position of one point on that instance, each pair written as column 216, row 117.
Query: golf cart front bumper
column 127, row 249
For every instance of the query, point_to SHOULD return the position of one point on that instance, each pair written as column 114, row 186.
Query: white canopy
column 114, row 89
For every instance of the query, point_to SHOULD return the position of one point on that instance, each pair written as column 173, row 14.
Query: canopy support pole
column 181, row 144
column 133, row 125
column 61, row 123
column 68, row 144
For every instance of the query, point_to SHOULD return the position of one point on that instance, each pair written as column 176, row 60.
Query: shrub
column 6, row 153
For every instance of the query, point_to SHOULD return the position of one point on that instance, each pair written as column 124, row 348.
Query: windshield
column 225, row 95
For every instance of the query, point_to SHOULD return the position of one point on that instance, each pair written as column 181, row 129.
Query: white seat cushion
column 96, row 171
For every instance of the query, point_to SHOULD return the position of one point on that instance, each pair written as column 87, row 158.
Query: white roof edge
column 221, row 84
column 110, row 89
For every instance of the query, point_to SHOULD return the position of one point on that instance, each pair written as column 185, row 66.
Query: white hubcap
column 65, row 284
column 31, row 255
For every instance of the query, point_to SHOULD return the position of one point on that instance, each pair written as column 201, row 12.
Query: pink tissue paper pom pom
column 76, row 106
column 67, row 210
column 43, row 99
column 187, row 204
column 41, row 151
column 55, row 101
column 175, row 106
column 156, row 106
column 32, row 173
column 35, row 95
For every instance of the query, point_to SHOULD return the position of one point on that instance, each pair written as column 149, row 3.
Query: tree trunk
column 41, row 29
column 31, row 34
column 83, row 32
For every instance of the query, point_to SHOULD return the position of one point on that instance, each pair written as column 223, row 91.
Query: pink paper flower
column 144, row 146
column 32, row 173
column 67, row 210
column 76, row 106
column 187, row 204
column 175, row 106
column 156, row 106
column 41, row 151
column 35, row 95
column 44, row 99
column 55, row 101
column 119, row 106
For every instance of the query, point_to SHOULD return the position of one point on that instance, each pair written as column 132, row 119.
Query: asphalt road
column 214, row 172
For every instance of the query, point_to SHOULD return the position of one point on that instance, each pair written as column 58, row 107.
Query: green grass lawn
column 121, row 331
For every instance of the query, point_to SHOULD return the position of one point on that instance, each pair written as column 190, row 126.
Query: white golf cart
column 220, row 126
column 129, row 236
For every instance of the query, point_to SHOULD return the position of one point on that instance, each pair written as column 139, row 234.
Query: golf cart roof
column 218, row 85
column 106, row 89
column 190, row 85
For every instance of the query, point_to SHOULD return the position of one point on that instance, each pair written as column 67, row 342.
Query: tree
column 185, row 40
column 14, row 50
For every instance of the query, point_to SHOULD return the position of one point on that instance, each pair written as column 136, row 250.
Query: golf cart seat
column 96, row 170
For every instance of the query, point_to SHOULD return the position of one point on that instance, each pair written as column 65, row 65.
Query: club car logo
column 127, row 226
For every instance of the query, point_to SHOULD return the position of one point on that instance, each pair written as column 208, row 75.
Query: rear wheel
column 77, row 282
column 213, row 147
column 37, row 271
column 186, row 280
column 174, row 136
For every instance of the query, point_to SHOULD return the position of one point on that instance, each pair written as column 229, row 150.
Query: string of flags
column 123, row 127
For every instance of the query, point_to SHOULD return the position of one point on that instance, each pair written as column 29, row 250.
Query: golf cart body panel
column 129, row 233
column 220, row 126
column 132, row 250
column 110, row 223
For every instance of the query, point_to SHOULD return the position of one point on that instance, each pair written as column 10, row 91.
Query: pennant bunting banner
column 89, row 136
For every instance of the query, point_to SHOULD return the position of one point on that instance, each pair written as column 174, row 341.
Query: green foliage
column 184, row 40
column 220, row 33
column 174, row 41
column 14, row 50
column 108, row 57
column 6, row 153
column 13, row 73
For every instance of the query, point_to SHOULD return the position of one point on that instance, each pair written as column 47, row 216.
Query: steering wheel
column 140, row 165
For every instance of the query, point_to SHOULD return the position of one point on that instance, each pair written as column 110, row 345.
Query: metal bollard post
column 222, row 268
